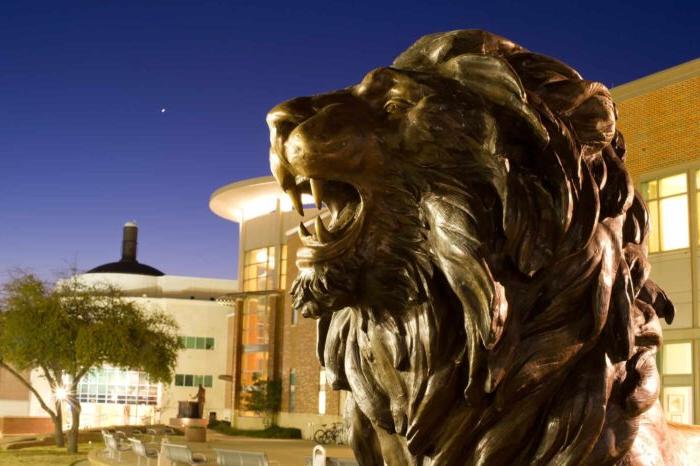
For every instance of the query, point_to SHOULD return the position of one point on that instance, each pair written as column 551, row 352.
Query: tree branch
column 79, row 375
column 27, row 384
column 49, row 377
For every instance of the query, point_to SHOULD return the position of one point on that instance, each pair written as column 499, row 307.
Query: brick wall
column 300, row 353
column 661, row 125
column 13, row 425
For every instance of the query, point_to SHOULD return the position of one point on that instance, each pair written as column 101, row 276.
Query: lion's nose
column 290, row 113
column 332, row 139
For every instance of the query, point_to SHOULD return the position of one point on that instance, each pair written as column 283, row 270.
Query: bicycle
column 330, row 433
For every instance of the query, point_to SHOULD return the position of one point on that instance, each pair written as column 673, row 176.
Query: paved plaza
column 283, row 451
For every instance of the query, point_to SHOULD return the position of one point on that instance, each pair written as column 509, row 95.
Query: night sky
column 84, row 146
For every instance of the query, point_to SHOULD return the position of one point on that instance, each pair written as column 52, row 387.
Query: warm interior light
column 674, row 223
column 261, row 256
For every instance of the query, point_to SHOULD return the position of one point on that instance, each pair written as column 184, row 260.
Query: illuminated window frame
column 259, row 269
column 111, row 385
column 652, row 193
column 283, row 267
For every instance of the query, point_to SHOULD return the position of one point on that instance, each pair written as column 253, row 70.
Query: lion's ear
column 494, row 80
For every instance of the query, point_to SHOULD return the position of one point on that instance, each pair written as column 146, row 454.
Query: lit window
column 697, row 186
column 283, row 267
column 255, row 337
column 322, row 392
column 677, row 358
column 667, row 200
column 112, row 385
column 259, row 269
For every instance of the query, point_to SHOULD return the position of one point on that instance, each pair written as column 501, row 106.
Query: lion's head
column 484, row 232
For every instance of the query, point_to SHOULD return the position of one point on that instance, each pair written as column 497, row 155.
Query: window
column 255, row 339
column 697, row 197
column 111, row 385
column 677, row 358
column 322, row 392
column 206, row 343
column 678, row 404
column 283, row 268
column 259, row 269
column 292, row 390
column 667, row 200
column 191, row 380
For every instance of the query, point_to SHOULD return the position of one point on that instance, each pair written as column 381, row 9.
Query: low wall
column 15, row 425
column 182, row 422
column 308, row 423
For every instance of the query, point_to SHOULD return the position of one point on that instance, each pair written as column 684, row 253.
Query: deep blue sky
column 84, row 146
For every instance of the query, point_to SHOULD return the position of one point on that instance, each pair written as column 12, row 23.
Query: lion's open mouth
column 333, row 237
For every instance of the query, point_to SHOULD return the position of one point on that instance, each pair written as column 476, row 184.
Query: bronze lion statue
column 481, row 281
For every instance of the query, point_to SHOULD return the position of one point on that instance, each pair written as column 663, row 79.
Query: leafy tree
column 265, row 399
column 64, row 331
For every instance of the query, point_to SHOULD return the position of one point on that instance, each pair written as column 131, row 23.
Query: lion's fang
column 303, row 231
column 317, row 191
column 321, row 233
column 295, row 196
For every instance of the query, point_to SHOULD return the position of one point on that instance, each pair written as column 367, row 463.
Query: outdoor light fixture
column 61, row 393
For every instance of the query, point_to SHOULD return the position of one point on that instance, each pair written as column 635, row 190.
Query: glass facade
column 259, row 269
column 117, row 386
column 673, row 201
column 255, row 340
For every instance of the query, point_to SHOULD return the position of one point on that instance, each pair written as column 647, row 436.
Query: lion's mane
column 526, row 326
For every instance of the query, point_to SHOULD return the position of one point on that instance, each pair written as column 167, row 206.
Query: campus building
column 237, row 332
column 113, row 396
column 268, row 339
column 658, row 115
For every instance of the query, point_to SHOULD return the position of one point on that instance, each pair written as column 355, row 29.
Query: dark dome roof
column 132, row 267
column 128, row 262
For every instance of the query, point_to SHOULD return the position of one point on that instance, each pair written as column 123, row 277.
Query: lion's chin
column 325, row 288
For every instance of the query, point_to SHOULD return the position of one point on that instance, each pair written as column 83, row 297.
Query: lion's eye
column 396, row 106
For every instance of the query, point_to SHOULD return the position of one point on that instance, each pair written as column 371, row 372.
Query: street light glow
column 61, row 393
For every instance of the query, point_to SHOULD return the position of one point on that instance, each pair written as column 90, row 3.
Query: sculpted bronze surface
column 481, row 285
